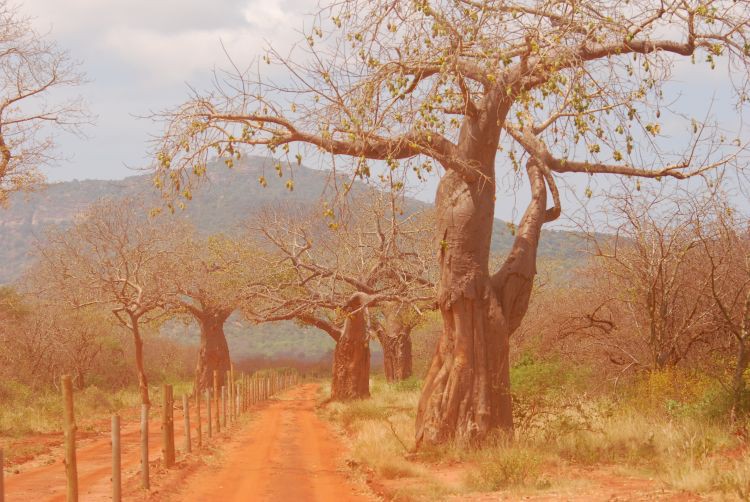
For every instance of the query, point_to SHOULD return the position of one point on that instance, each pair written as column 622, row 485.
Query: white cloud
column 167, row 57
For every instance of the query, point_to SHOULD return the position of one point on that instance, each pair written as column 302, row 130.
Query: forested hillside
column 224, row 202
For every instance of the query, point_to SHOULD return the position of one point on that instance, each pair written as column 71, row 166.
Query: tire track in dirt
column 286, row 453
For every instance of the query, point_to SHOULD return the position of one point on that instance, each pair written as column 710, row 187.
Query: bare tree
column 577, row 86
column 32, row 71
column 650, row 269
column 331, row 280
column 724, row 236
column 113, row 257
column 39, row 340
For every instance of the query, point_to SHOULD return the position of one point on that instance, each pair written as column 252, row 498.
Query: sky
column 140, row 55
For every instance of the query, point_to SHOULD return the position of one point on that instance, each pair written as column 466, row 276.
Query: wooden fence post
column 167, row 426
column 145, row 483
column 224, row 405
column 237, row 395
column 186, row 416
column 217, row 394
column 232, row 414
column 228, row 397
column 2, row 477
column 116, row 460
column 208, row 412
column 198, row 425
column 69, row 424
column 242, row 394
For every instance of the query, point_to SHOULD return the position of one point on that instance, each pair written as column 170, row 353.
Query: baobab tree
column 565, row 86
column 114, row 257
column 32, row 72
column 329, row 275
column 393, row 323
column 208, row 284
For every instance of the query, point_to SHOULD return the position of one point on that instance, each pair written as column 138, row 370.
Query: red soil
column 46, row 482
column 286, row 453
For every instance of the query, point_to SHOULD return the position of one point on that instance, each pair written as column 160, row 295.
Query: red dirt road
column 285, row 453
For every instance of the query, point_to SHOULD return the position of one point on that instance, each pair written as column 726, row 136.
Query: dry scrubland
column 656, row 435
column 629, row 380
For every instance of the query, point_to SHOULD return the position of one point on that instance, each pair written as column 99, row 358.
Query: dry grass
column 26, row 411
column 678, row 451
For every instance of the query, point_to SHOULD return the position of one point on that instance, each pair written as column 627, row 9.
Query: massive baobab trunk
column 351, row 357
column 395, row 338
column 214, row 351
column 467, row 388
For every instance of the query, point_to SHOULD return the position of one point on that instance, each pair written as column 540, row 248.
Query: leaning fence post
column 167, row 426
column 116, row 460
column 186, row 415
column 198, row 425
column 144, row 447
column 69, row 423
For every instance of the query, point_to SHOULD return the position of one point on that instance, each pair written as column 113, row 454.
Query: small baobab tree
column 393, row 328
column 566, row 86
column 208, row 284
column 330, row 275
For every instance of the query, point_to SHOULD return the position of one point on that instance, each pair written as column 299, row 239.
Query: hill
column 220, row 205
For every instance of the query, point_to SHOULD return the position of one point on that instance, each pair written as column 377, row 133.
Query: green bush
column 533, row 376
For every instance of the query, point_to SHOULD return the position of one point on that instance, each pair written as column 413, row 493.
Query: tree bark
column 80, row 379
column 138, row 343
column 738, row 381
column 351, row 357
column 214, row 351
column 467, row 389
column 395, row 338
